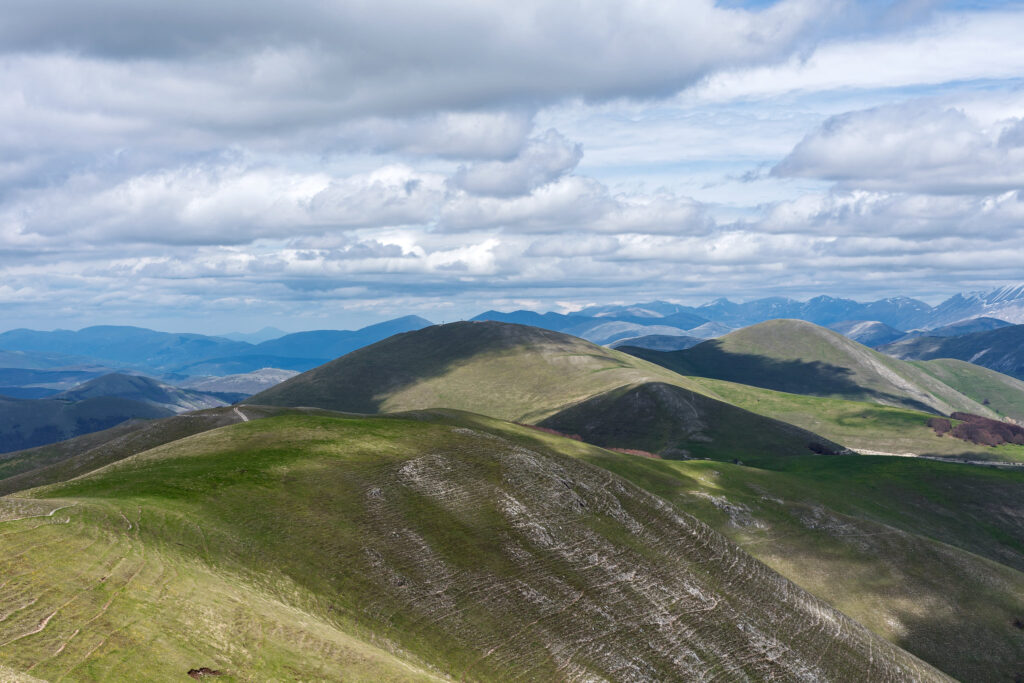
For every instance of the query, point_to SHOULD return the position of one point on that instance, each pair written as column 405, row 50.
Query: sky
column 218, row 167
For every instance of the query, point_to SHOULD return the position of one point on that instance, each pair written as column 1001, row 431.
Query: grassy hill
column 674, row 422
column 25, row 423
column 801, row 358
column 313, row 547
column 68, row 459
column 1000, row 349
column 527, row 374
column 1002, row 394
column 929, row 555
column 858, row 425
column 503, row 370
column 142, row 389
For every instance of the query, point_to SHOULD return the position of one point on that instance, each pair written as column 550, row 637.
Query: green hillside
column 929, row 555
column 802, row 358
column 857, row 425
column 678, row 423
column 507, row 371
column 1000, row 349
column 1000, row 393
column 526, row 374
column 311, row 547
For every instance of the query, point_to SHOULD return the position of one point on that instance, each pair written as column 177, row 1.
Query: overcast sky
column 217, row 166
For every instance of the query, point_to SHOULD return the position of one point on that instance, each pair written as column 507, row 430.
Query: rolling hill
column 315, row 547
column 25, row 423
column 527, row 374
column 678, row 423
column 503, row 370
column 801, row 358
column 659, row 342
column 1000, row 349
column 95, row 405
column 143, row 390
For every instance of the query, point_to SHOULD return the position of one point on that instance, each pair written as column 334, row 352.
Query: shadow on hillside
column 812, row 378
column 361, row 381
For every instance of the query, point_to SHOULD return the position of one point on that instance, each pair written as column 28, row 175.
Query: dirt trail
column 240, row 414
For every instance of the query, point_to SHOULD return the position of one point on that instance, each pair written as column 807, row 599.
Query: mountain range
column 176, row 357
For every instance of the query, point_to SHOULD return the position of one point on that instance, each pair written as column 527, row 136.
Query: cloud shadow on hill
column 809, row 378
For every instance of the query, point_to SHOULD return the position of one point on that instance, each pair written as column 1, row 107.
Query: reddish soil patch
column 940, row 425
column 986, row 432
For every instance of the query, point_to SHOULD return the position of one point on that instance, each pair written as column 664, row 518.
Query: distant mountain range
column 164, row 353
column 176, row 358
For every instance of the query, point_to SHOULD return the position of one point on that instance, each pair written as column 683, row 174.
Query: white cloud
column 917, row 216
column 956, row 46
column 543, row 160
column 914, row 147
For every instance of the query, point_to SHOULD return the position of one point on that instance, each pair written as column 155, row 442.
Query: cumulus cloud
column 392, row 55
column 912, row 147
column 576, row 203
column 542, row 161
column 955, row 46
column 878, row 214
column 327, row 160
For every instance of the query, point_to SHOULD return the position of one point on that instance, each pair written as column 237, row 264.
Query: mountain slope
column 123, row 346
column 507, row 371
column 673, row 422
column 1005, row 303
column 659, row 342
column 245, row 383
column 1001, row 349
column 334, row 343
column 802, row 358
column 1000, row 393
column 969, row 326
column 907, row 547
column 142, row 389
column 25, row 423
column 527, row 374
column 867, row 332
column 456, row 549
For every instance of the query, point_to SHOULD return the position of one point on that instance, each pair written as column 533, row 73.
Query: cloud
column 576, row 204
column 543, row 160
column 395, row 56
column 915, row 147
column 954, row 46
column 216, row 204
column 911, row 216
